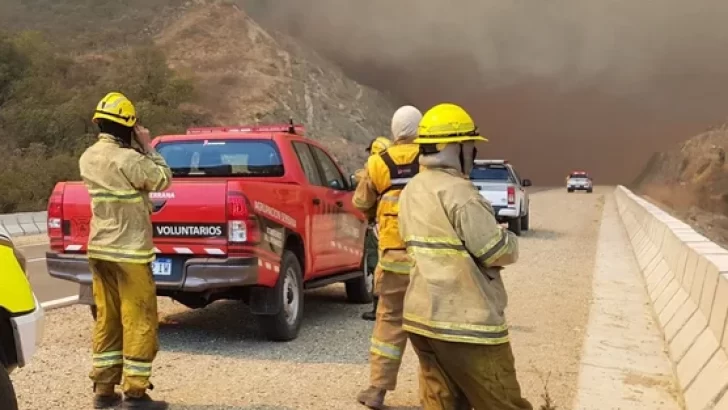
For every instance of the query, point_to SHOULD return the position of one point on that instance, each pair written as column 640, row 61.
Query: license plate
column 162, row 267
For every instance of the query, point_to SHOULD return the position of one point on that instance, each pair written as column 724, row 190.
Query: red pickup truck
column 254, row 213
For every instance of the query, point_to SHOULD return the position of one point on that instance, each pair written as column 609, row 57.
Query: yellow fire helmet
column 446, row 124
column 378, row 145
column 117, row 108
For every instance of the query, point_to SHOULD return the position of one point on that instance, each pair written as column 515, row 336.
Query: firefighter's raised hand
column 142, row 136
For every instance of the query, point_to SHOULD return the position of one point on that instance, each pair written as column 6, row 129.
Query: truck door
column 347, row 230
column 319, row 226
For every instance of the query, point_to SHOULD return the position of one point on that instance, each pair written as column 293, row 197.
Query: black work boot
column 372, row 397
column 107, row 401
column 105, row 397
column 144, row 403
column 371, row 316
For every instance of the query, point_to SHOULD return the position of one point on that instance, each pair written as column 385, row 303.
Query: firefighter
column 119, row 171
column 453, row 311
column 371, row 242
column 387, row 173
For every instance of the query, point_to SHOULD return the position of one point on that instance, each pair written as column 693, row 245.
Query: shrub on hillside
column 46, row 104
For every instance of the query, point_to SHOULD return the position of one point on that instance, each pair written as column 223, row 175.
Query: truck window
column 222, row 158
column 495, row 172
column 328, row 167
column 515, row 174
column 308, row 163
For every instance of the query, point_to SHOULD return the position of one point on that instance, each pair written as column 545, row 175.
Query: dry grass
column 548, row 403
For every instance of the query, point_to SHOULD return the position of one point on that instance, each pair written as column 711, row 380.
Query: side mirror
column 353, row 181
column 335, row 185
column 527, row 182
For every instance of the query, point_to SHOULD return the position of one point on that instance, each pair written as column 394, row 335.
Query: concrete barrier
column 686, row 277
column 25, row 223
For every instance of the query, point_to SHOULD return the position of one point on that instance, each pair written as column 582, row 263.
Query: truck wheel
column 514, row 225
column 589, row 191
column 284, row 325
column 94, row 311
column 569, row 190
column 8, row 401
column 360, row 290
column 525, row 222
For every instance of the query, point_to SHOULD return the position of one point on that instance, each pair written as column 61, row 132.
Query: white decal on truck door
column 274, row 213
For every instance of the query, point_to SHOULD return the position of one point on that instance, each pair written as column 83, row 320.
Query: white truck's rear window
column 491, row 173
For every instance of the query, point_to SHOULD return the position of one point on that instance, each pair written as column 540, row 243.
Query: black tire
column 588, row 191
column 94, row 311
column 514, row 225
column 361, row 290
column 284, row 325
column 525, row 222
column 8, row 400
column 569, row 190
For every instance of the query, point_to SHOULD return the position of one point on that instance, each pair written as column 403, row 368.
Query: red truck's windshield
column 222, row 158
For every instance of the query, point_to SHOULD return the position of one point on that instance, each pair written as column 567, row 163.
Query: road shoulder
column 624, row 364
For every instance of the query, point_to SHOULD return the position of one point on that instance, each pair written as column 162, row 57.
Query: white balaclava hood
column 405, row 122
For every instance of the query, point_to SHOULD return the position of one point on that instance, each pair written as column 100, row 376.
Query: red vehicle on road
column 255, row 213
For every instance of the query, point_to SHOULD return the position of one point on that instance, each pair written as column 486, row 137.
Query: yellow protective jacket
column 119, row 181
column 456, row 293
column 378, row 191
column 16, row 295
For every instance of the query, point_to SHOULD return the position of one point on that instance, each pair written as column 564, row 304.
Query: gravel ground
column 214, row 358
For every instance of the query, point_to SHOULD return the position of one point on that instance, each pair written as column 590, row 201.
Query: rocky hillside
column 692, row 180
column 184, row 63
column 245, row 74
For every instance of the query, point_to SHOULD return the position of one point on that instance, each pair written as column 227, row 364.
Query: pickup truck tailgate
column 495, row 192
column 189, row 218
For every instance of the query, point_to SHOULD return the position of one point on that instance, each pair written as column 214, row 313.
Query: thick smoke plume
column 555, row 84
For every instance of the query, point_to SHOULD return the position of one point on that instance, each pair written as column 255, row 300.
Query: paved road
column 46, row 287
column 553, row 309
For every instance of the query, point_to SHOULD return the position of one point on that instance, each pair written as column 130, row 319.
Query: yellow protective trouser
column 388, row 340
column 464, row 376
column 125, row 335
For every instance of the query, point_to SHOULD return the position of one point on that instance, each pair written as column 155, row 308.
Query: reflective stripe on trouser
column 464, row 376
column 125, row 335
column 388, row 339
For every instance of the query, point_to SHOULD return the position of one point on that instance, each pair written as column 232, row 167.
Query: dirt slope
column 246, row 74
column 692, row 180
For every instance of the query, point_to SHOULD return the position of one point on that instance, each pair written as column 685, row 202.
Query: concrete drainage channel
column 686, row 276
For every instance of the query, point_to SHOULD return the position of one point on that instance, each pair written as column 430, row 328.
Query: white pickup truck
column 579, row 181
column 499, row 183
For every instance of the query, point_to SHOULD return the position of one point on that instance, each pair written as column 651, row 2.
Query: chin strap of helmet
column 462, row 157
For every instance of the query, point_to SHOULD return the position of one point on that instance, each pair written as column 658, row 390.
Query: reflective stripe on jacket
column 386, row 176
column 456, row 293
column 118, row 181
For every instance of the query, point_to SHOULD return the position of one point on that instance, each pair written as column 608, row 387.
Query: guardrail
column 686, row 276
column 25, row 223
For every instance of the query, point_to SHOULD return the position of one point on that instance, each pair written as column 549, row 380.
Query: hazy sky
column 556, row 84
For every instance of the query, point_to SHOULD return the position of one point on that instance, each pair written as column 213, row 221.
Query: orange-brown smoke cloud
column 556, row 85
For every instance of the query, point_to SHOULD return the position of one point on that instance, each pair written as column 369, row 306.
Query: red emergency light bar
column 288, row 128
